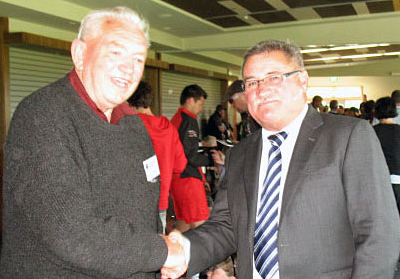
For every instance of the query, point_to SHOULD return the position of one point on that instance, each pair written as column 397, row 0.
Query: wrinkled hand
column 219, row 273
column 175, row 265
column 218, row 157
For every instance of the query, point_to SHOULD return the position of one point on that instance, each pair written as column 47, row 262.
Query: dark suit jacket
column 338, row 217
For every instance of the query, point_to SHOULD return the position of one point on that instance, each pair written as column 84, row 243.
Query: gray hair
column 94, row 19
column 291, row 51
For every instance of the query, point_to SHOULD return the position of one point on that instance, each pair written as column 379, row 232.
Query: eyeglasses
column 270, row 80
column 234, row 97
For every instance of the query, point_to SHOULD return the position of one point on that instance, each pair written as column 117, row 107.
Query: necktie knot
column 277, row 139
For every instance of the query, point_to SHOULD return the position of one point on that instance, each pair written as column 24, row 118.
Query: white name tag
column 151, row 168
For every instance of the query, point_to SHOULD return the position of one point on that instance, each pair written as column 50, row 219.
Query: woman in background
column 389, row 135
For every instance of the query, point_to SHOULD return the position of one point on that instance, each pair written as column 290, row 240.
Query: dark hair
column 385, row 108
column 396, row 96
column 316, row 98
column 333, row 104
column 192, row 91
column 369, row 106
column 220, row 108
column 291, row 51
column 142, row 97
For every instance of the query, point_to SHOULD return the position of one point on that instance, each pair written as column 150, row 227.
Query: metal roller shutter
column 31, row 70
column 172, row 84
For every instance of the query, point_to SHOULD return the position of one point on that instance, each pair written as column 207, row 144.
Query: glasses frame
column 283, row 77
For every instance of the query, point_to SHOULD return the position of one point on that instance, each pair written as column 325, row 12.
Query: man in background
column 189, row 196
column 81, row 179
column 237, row 99
column 333, row 105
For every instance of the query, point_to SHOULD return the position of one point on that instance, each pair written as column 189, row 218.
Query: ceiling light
column 164, row 15
column 361, row 56
column 392, row 53
column 323, row 59
column 353, row 47
column 314, row 50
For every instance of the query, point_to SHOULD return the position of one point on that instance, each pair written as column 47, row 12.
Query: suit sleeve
column 213, row 241
column 371, row 206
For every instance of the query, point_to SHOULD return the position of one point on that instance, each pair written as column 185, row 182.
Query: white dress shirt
column 286, row 148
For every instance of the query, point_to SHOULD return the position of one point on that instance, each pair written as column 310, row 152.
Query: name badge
column 151, row 168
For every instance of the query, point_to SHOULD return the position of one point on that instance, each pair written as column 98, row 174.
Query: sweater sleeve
column 49, row 184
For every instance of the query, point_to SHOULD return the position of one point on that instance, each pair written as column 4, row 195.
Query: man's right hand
column 175, row 265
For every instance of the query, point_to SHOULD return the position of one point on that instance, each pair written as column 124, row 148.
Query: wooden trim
column 157, row 64
column 28, row 39
column 200, row 72
column 153, row 78
column 396, row 5
column 4, row 85
column 37, row 41
column 4, row 100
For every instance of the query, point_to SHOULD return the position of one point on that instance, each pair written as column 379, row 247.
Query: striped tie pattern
column 266, row 230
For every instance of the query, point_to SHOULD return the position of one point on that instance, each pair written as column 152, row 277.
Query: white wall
column 374, row 87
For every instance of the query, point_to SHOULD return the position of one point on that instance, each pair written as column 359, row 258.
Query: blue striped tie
column 266, row 230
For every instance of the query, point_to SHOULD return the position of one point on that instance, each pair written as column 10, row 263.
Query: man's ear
column 78, row 52
column 303, row 76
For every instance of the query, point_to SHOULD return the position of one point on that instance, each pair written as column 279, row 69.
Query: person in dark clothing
column 217, row 125
column 188, row 193
column 237, row 99
column 388, row 133
column 368, row 111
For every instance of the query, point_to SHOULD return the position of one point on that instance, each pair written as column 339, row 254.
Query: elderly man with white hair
column 81, row 178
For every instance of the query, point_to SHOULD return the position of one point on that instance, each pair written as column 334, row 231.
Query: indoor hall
column 351, row 49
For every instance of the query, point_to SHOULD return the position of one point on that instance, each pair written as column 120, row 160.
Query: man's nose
column 127, row 66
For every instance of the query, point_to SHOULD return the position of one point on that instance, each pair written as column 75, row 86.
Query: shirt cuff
column 186, row 248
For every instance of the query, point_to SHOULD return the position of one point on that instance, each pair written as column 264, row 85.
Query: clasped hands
column 175, row 265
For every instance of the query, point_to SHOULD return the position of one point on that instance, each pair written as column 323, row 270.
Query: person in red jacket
column 167, row 146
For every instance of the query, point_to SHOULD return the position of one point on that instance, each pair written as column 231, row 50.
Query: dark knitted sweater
column 77, row 203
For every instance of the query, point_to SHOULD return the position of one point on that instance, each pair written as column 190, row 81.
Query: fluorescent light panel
column 354, row 56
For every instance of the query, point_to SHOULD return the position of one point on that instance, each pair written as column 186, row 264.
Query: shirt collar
column 118, row 112
column 181, row 109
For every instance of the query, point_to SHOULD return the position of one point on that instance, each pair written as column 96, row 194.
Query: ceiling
column 332, row 33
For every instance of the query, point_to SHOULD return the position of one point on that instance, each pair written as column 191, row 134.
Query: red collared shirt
column 117, row 113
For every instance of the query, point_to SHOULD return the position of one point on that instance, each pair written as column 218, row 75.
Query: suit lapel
column 308, row 136
column 251, row 173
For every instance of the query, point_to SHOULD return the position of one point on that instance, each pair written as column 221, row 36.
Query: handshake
column 175, row 265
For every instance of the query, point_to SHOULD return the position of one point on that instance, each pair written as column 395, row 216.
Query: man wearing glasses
column 306, row 196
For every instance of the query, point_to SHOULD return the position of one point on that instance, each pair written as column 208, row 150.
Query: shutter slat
column 31, row 70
